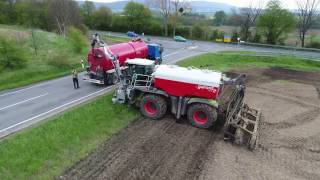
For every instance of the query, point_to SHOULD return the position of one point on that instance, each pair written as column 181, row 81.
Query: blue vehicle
column 132, row 34
column 155, row 52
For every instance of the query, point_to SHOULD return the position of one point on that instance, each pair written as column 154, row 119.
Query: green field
column 44, row 151
column 232, row 60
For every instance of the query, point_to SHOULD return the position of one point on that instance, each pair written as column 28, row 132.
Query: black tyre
column 202, row 115
column 112, row 79
column 153, row 106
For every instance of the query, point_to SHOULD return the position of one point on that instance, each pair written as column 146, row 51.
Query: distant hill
column 202, row 7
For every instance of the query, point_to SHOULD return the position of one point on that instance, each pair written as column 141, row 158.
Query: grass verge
column 54, row 56
column 114, row 39
column 226, row 61
column 44, row 151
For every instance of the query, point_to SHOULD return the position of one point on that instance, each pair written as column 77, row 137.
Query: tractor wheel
column 112, row 79
column 153, row 106
column 202, row 115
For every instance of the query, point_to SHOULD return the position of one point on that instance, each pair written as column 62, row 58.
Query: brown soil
column 289, row 144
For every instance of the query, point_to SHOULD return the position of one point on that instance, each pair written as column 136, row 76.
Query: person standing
column 75, row 79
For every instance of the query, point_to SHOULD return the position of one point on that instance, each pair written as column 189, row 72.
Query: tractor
column 203, row 96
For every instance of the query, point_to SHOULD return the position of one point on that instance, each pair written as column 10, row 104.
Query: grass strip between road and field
column 226, row 61
column 44, row 151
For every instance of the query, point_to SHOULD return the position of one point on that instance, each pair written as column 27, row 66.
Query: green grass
column 50, row 48
column 227, row 61
column 113, row 39
column 44, row 151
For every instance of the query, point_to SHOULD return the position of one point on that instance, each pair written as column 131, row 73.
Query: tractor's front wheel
column 153, row 106
column 202, row 115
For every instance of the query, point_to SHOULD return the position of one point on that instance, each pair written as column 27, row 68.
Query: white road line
column 47, row 112
column 24, row 101
column 34, row 86
column 191, row 55
column 13, row 92
column 175, row 52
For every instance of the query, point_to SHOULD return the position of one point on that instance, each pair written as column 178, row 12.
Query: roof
column 188, row 75
column 139, row 61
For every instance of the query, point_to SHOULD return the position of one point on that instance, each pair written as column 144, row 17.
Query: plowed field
column 289, row 144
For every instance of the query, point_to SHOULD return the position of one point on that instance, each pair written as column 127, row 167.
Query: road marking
column 56, row 108
column 24, row 101
column 185, row 57
column 34, row 86
column 175, row 52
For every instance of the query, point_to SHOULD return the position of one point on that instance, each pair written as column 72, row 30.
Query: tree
column 307, row 12
column 275, row 22
column 101, row 19
column 164, row 6
column 137, row 15
column 219, row 18
column 87, row 9
column 249, row 16
column 179, row 7
column 33, row 13
column 64, row 13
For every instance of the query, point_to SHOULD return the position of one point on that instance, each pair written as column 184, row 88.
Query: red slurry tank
column 187, row 82
column 124, row 51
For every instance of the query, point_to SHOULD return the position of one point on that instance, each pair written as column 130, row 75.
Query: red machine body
column 124, row 51
column 187, row 82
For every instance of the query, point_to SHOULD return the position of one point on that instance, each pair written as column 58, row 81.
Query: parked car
column 132, row 34
column 180, row 39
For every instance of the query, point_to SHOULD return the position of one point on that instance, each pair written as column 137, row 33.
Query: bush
column 235, row 36
column 77, row 39
column 314, row 44
column 60, row 61
column 11, row 55
column 197, row 32
column 216, row 34
column 183, row 31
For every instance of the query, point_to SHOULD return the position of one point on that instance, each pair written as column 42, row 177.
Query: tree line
column 270, row 24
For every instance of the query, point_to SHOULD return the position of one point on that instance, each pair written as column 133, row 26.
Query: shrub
column 216, row 34
column 197, row 31
column 77, row 39
column 60, row 61
column 314, row 44
column 235, row 36
column 11, row 55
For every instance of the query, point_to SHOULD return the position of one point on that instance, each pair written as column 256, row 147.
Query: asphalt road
column 22, row 107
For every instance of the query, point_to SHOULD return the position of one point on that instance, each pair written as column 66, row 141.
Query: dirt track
column 289, row 145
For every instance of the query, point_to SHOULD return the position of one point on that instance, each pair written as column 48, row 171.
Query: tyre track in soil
column 148, row 149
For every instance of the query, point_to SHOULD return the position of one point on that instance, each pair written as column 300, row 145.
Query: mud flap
column 243, row 127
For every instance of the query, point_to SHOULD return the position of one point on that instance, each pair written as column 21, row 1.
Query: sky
column 289, row 4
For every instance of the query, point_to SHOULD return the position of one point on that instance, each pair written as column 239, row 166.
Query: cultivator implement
column 242, row 122
column 242, row 128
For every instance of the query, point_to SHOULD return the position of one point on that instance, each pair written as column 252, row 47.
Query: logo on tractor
column 209, row 88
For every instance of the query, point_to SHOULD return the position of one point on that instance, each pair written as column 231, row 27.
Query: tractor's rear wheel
column 202, row 115
column 153, row 106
